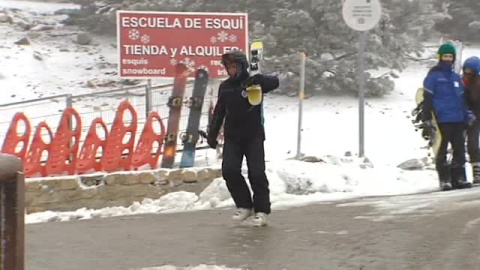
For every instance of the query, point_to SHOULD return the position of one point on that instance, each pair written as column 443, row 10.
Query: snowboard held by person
column 244, row 135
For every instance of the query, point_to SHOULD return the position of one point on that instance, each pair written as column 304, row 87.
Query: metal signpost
column 361, row 15
column 301, row 95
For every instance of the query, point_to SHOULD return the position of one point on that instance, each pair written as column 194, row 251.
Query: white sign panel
column 362, row 15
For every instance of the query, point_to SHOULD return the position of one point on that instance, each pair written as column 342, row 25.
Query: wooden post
column 12, row 213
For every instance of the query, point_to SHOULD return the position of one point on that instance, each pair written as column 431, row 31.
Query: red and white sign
column 151, row 43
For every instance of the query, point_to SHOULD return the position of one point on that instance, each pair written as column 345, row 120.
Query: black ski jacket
column 242, row 120
column 472, row 94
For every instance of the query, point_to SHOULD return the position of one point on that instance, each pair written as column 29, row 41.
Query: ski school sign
column 150, row 44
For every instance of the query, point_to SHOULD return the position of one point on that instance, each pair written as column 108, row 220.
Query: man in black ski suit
column 244, row 136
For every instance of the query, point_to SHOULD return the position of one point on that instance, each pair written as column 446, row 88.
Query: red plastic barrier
column 143, row 152
column 64, row 149
column 33, row 161
column 87, row 159
column 12, row 139
column 118, row 155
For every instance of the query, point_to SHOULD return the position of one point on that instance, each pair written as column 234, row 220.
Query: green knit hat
column 447, row 48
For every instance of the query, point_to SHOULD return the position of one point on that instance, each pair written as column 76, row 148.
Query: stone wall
column 94, row 191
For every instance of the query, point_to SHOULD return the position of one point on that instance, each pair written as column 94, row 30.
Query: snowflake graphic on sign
column 173, row 62
column 203, row 67
column 232, row 38
column 145, row 39
column 213, row 39
column 133, row 34
column 222, row 36
column 189, row 63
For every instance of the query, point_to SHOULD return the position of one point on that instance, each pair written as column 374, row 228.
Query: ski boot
column 445, row 186
column 459, row 178
column 444, row 177
column 260, row 220
column 241, row 214
column 476, row 172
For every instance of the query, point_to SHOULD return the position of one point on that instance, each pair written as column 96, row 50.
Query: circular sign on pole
column 361, row 15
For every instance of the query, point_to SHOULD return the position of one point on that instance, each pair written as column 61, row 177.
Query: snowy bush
column 462, row 22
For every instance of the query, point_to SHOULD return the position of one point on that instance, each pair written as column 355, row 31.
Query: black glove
column 428, row 129
column 211, row 140
column 426, row 116
column 256, row 79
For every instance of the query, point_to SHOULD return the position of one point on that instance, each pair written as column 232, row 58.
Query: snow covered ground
column 330, row 126
column 292, row 183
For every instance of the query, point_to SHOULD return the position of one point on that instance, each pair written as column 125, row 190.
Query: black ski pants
column 472, row 141
column 253, row 149
column 452, row 133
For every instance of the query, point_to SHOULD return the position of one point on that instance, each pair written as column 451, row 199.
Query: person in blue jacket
column 471, row 81
column 444, row 96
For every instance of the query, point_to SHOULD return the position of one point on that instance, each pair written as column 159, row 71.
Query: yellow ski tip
column 257, row 45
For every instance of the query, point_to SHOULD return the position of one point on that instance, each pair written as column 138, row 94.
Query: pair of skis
column 254, row 92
